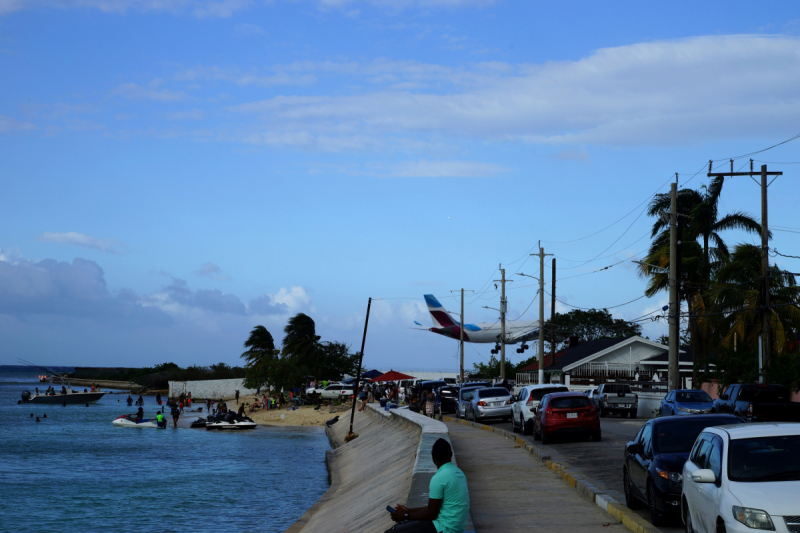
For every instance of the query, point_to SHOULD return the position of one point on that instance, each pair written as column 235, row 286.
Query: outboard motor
column 26, row 395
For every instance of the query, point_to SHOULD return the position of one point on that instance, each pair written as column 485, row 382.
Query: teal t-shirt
column 450, row 485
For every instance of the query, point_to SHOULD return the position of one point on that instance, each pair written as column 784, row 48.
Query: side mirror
column 704, row 476
column 635, row 448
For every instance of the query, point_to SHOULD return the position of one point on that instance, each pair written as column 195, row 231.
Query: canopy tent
column 391, row 375
column 366, row 376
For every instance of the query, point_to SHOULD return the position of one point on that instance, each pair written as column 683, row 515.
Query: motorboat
column 66, row 395
column 126, row 421
column 230, row 422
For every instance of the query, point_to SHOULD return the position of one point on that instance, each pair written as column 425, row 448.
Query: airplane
column 483, row 332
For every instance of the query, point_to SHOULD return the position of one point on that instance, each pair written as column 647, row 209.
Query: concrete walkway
column 509, row 491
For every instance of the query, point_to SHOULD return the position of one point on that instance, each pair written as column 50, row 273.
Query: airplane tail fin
column 441, row 318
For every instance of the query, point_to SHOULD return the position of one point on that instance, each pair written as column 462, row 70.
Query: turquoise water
column 75, row 471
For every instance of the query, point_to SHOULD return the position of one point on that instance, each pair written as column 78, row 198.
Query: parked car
column 526, row 401
column 448, row 398
column 464, row 396
column 683, row 402
column 743, row 477
column 489, row 402
column 616, row 398
column 565, row 413
column 337, row 391
column 653, row 462
column 758, row 402
column 590, row 392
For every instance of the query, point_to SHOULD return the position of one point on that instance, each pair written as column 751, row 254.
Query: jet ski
column 229, row 422
column 199, row 423
column 130, row 422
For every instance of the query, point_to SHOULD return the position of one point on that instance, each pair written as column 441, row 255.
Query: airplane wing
column 522, row 335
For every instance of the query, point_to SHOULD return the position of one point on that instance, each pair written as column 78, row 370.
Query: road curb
column 551, row 459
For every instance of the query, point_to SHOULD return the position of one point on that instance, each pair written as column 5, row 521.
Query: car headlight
column 672, row 476
column 684, row 410
column 754, row 518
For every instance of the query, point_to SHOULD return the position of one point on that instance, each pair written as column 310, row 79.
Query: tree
column 589, row 325
column 489, row 370
column 259, row 357
column 303, row 344
column 701, row 221
column 337, row 362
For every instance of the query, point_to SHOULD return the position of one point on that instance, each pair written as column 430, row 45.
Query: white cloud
column 8, row 124
column 151, row 91
column 109, row 246
column 210, row 270
column 279, row 76
column 680, row 91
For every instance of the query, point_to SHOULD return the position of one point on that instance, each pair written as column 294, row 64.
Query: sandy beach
column 302, row 416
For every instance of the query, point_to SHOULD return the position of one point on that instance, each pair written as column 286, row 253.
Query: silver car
column 490, row 402
column 464, row 396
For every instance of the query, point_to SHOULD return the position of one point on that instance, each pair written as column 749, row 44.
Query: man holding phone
column 448, row 504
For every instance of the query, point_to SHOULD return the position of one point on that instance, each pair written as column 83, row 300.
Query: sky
column 176, row 172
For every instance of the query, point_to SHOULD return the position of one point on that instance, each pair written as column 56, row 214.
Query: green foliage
column 588, row 326
column 741, row 366
column 488, row 370
column 259, row 357
column 337, row 361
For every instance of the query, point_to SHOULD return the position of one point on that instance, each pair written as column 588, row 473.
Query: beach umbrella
column 391, row 375
column 370, row 374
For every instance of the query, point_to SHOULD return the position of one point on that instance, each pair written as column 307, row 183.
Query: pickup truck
column 758, row 402
column 616, row 398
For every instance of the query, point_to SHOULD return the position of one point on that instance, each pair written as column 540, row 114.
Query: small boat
column 128, row 422
column 70, row 397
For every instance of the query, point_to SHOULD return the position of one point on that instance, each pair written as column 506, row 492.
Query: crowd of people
column 419, row 400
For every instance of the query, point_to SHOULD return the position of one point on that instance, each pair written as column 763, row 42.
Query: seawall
column 210, row 388
column 390, row 462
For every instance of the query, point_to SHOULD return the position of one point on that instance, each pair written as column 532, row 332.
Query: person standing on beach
column 448, row 499
column 237, row 396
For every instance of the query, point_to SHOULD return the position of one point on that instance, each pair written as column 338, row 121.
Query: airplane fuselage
column 485, row 332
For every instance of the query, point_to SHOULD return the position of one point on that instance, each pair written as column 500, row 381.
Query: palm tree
column 697, row 264
column 737, row 294
column 259, row 357
column 302, row 342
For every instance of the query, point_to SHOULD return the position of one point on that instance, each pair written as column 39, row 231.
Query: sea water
column 75, row 471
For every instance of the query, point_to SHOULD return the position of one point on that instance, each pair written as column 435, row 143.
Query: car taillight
column 482, row 403
column 530, row 402
column 509, row 402
column 605, row 398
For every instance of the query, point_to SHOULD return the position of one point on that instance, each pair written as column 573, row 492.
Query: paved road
column 510, row 491
column 601, row 462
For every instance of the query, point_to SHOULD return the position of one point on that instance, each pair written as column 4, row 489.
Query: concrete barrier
column 211, row 388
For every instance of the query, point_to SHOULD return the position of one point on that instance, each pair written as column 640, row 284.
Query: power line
column 604, row 307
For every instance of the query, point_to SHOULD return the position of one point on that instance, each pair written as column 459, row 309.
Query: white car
column 337, row 391
column 742, row 478
column 464, row 396
column 527, row 400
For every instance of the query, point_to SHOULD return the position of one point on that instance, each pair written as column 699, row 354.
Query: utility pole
column 765, row 332
column 358, row 374
column 552, row 315
column 503, row 309
column 674, row 305
column 461, row 336
column 541, row 255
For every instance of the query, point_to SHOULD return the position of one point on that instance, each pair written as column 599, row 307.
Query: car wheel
column 721, row 527
column 630, row 499
column 513, row 425
column 603, row 412
column 655, row 516
column 660, row 411
column 525, row 431
column 545, row 438
column 597, row 437
column 687, row 519
column 536, row 435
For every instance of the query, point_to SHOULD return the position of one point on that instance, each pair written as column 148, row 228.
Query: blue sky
column 175, row 173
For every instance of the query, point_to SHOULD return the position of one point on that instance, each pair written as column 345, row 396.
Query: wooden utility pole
column 552, row 316
column 766, row 343
column 358, row 374
column 674, row 304
column 503, row 309
column 541, row 255
column 461, row 336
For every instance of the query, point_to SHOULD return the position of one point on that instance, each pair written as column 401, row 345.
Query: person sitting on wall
column 448, row 499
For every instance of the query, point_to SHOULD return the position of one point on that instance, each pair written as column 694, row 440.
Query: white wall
column 212, row 388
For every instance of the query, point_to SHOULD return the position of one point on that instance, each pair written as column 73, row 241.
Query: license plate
column 572, row 415
column 496, row 404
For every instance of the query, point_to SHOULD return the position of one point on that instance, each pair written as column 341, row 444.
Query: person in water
column 158, row 398
column 176, row 413
column 140, row 401
column 160, row 420
column 129, row 400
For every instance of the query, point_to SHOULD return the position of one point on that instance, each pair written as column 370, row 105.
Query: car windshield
column 679, row 437
column 763, row 394
column 537, row 394
column 615, row 389
column 693, row 396
column 765, row 459
column 570, row 402
column 493, row 392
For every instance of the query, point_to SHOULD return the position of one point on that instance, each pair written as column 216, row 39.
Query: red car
column 565, row 413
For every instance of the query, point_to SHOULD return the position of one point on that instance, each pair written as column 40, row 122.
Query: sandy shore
column 302, row 416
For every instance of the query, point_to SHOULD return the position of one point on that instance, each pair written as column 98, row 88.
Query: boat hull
column 127, row 423
column 59, row 399
column 231, row 426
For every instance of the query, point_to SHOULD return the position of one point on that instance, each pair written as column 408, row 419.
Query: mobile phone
column 390, row 509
